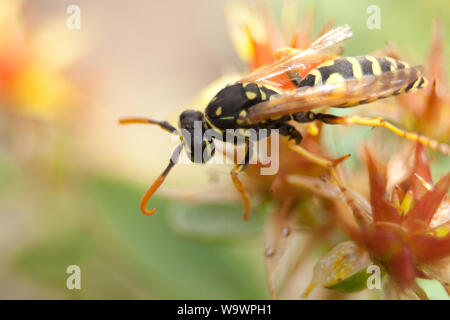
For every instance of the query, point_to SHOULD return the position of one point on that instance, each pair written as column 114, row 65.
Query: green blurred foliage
column 405, row 23
column 124, row 254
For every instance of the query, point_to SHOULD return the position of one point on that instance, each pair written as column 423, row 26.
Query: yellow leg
column 238, row 183
column 157, row 183
column 329, row 165
column 379, row 122
column 241, row 189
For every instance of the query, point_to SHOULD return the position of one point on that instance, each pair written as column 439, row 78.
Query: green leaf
column 46, row 262
column 433, row 289
column 354, row 283
column 221, row 223
column 343, row 268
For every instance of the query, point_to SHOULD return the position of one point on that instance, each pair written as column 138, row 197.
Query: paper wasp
column 287, row 90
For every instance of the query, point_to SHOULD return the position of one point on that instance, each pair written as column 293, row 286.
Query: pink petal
column 401, row 267
column 428, row 248
column 381, row 210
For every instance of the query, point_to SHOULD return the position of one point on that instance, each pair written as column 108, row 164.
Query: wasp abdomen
column 357, row 67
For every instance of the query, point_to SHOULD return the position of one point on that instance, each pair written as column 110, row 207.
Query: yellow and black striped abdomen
column 357, row 67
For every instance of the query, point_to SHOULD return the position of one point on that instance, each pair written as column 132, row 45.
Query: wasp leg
column 238, row 183
column 321, row 161
column 290, row 131
column 303, row 117
column 379, row 122
column 162, row 124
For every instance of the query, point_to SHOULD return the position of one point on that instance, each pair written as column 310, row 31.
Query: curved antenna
column 162, row 124
column 150, row 191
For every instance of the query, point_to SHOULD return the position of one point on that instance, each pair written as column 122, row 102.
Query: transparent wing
column 341, row 94
column 324, row 48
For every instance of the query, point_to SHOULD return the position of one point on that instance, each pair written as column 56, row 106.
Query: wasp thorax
column 199, row 147
column 229, row 107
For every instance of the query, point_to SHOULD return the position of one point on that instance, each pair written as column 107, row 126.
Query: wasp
column 273, row 96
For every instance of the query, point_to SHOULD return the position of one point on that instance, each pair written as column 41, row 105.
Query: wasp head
column 198, row 146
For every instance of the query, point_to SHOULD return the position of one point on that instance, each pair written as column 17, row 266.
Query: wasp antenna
column 150, row 191
column 162, row 124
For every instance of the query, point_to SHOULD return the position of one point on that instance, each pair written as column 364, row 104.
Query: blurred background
column 71, row 178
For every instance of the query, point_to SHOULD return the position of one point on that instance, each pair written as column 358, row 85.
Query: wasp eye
column 188, row 118
column 200, row 150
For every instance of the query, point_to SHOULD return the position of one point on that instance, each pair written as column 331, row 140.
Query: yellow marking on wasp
column 356, row 67
column 263, row 94
column 425, row 83
column 393, row 63
column 416, row 83
column 250, row 95
column 334, row 78
column 213, row 126
column 276, row 118
column 318, row 76
column 245, row 84
column 218, row 111
column 270, row 87
column 208, row 146
column 241, row 118
column 226, row 118
column 376, row 69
